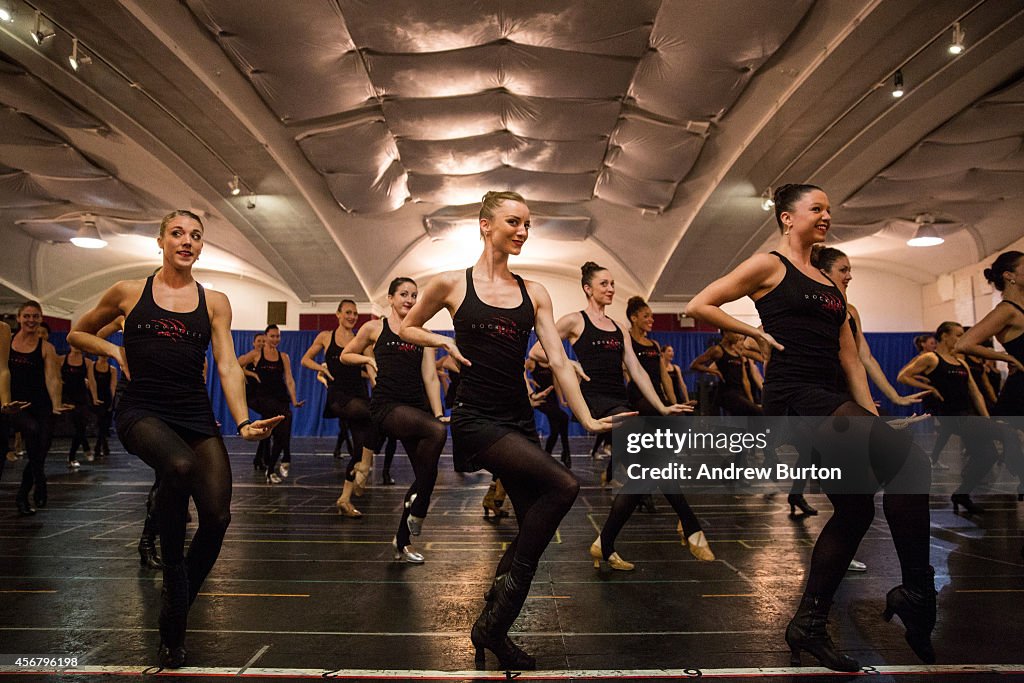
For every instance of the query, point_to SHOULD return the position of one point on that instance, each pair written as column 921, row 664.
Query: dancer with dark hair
column 275, row 395
column 252, row 388
column 805, row 331
column 347, row 399
column 679, row 394
column 35, row 381
column 406, row 404
column 551, row 408
column 170, row 320
column 602, row 349
column 8, row 406
column 492, row 422
column 104, row 378
column 78, row 391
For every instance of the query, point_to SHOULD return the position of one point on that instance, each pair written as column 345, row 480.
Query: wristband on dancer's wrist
column 243, row 424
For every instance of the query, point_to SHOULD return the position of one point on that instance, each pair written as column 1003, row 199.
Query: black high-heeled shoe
column 914, row 602
column 567, row 460
column 808, row 631
column 24, row 509
column 386, row 479
column 970, row 507
column 796, row 500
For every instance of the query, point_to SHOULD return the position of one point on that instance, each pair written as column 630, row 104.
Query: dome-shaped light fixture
column 88, row 237
column 897, row 83
column 926, row 235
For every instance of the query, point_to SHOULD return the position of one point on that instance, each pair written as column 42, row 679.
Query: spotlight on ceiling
column 76, row 60
column 6, row 13
column 957, row 46
column 767, row 203
column 88, row 237
column 235, row 186
column 926, row 235
column 897, row 83
column 250, row 203
column 39, row 34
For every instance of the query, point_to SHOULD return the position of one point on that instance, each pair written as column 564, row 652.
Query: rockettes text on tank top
column 805, row 317
column 166, row 352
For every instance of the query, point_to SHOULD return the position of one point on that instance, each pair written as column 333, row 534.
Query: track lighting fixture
column 235, row 186
column 767, row 203
column 250, row 203
column 957, row 46
column 6, row 13
column 76, row 60
column 39, row 34
column 897, row 83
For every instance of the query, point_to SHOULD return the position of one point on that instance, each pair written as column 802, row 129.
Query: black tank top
column 494, row 340
column 73, row 377
column 166, row 352
column 102, row 384
column 677, row 383
column 733, row 369
column 28, row 378
column 1015, row 346
column 399, row 371
column 841, row 383
column 348, row 379
column 952, row 382
column 600, row 354
column 649, row 356
column 804, row 316
column 271, row 374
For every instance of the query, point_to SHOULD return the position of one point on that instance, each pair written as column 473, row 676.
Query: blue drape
column 891, row 349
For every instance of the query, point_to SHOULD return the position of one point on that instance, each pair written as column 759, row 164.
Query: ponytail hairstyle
column 786, row 197
column 396, row 283
column 823, row 258
column 634, row 306
column 1007, row 261
column 493, row 199
column 587, row 271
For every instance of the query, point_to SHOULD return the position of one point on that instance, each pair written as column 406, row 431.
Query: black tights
column 104, row 415
column 900, row 465
column 354, row 412
column 541, row 490
column 187, row 464
column 280, row 441
column 79, row 419
column 36, row 427
column 423, row 436
column 559, row 424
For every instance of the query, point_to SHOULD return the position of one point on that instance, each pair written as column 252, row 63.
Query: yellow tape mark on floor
column 255, row 595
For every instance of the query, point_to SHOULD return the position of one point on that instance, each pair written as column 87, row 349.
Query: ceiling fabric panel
column 27, row 94
column 414, row 26
column 619, row 188
column 545, row 187
column 101, row 193
column 705, row 51
column 936, row 159
column 298, row 55
column 19, row 190
column 370, row 193
column 364, row 147
column 653, row 151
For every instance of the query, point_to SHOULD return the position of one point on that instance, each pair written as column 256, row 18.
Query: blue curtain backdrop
column 892, row 349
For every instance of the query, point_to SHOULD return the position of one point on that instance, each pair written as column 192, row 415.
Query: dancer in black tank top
column 1006, row 323
column 35, row 381
column 78, row 390
column 492, row 422
column 8, row 406
column 170, row 320
column 347, row 400
column 252, row 388
column 602, row 349
column 735, row 394
column 105, row 377
column 953, row 396
column 406, row 404
column 551, row 407
column 805, row 333
column 274, row 395
column 675, row 373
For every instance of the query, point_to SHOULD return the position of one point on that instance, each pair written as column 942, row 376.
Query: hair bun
column 989, row 275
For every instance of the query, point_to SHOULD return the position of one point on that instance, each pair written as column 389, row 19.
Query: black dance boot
column 149, row 558
column 490, row 632
column 809, row 631
column 914, row 602
column 173, row 616
column 796, row 500
column 24, row 509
